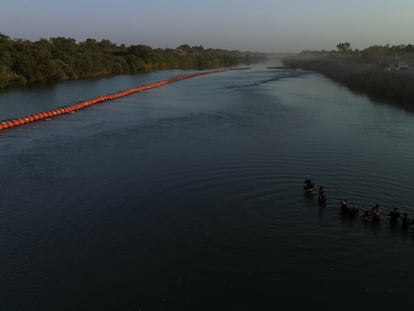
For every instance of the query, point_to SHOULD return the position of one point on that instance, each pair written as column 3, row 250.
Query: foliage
column 372, row 71
column 23, row 62
column 344, row 47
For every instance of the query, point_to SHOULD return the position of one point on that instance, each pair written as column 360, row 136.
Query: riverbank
column 379, row 79
column 24, row 63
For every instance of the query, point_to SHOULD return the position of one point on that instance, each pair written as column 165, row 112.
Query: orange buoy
column 80, row 105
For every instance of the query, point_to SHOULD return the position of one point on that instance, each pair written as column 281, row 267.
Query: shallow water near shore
column 190, row 196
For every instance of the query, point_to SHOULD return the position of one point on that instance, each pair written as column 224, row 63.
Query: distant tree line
column 371, row 71
column 374, row 51
column 23, row 62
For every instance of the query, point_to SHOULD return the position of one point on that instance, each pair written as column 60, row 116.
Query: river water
column 190, row 196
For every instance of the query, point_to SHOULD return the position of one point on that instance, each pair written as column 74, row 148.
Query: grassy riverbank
column 372, row 74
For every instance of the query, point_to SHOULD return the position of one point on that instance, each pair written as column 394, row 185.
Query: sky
column 254, row 25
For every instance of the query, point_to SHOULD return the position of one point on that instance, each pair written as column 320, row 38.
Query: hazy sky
column 255, row 25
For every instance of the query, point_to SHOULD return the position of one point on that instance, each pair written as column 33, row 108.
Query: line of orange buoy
column 71, row 108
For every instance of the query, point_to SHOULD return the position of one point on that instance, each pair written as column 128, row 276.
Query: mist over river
column 191, row 196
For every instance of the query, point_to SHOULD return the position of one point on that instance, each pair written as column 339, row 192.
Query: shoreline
column 375, row 79
column 48, row 61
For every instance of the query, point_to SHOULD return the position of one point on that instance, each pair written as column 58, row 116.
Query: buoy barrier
column 6, row 124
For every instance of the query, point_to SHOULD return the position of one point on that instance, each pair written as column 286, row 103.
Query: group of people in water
column 373, row 215
column 308, row 187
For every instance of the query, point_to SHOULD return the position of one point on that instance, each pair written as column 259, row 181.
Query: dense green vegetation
column 24, row 63
column 373, row 71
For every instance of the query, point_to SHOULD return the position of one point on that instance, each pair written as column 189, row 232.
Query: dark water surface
column 190, row 196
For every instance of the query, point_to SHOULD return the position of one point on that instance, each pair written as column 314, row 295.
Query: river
column 190, row 196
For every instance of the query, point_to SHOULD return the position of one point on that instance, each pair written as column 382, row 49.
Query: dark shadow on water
column 309, row 198
column 375, row 226
column 394, row 229
column 349, row 217
column 321, row 211
column 405, row 233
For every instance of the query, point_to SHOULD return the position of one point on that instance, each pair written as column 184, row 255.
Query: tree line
column 371, row 71
column 345, row 47
column 24, row 63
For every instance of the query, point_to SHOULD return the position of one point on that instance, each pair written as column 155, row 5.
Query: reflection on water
column 190, row 195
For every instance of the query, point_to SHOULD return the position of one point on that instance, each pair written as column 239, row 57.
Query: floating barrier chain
column 71, row 108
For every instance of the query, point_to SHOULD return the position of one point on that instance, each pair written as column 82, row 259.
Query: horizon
column 263, row 26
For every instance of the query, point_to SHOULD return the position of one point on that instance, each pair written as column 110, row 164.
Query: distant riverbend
column 380, row 81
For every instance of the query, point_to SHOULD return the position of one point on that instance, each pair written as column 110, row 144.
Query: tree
column 344, row 47
column 23, row 62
